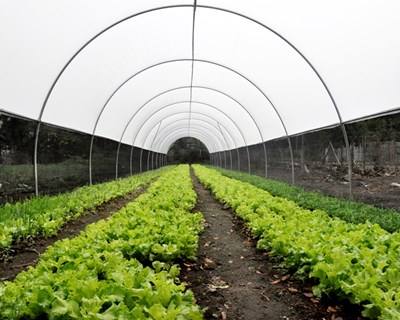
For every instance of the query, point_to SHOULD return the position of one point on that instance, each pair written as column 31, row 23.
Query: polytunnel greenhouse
column 200, row 159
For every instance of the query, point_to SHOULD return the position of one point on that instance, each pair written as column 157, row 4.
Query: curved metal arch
column 67, row 64
column 201, row 135
column 211, row 144
column 209, row 105
column 314, row 69
column 208, row 62
column 216, row 160
column 170, row 127
column 197, row 113
column 219, row 126
column 198, row 134
column 344, row 132
column 203, row 61
column 164, row 92
column 173, row 139
column 200, row 113
column 171, row 90
column 187, row 112
column 180, row 132
column 220, row 92
column 207, row 126
column 217, row 142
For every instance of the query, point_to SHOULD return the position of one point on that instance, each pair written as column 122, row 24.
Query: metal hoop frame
column 202, row 120
column 205, row 126
column 194, row 6
column 212, row 120
column 200, row 134
column 209, row 105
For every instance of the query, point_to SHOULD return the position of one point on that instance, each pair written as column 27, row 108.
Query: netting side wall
column 257, row 159
column 103, row 159
column 245, row 158
column 375, row 152
column 123, row 160
column 235, row 164
column 143, row 160
column 63, row 159
column 321, row 162
column 135, row 160
column 17, row 179
column 279, row 160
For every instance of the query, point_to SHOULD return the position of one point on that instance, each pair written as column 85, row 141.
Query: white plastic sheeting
column 132, row 83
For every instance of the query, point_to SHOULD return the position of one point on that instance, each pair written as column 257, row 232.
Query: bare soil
column 376, row 190
column 234, row 280
column 26, row 253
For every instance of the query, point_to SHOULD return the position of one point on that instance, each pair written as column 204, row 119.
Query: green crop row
column 351, row 211
column 360, row 262
column 100, row 273
column 45, row 215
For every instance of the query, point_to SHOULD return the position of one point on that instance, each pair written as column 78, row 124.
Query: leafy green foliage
column 98, row 274
column 47, row 214
column 349, row 211
column 360, row 262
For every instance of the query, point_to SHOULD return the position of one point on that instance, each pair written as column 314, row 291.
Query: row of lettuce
column 45, row 215
column 360, row 262
column 350, row 211
column 118, row 268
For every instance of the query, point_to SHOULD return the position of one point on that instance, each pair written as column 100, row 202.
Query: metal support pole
column 130, row 162
column 226, row 142
column 148, row 160
column 90, row 160
column 117, row 160
column 114, row 24
column 140, row 161
column 248, row 160
column 224, row 166
column 35, row 158
column 238, row 157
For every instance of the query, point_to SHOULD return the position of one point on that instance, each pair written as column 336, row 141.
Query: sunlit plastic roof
column 230, row 73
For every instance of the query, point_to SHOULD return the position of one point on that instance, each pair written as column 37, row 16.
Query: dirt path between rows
column 234, row 280
column 24, row 254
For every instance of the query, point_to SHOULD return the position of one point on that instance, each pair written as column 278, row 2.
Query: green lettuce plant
column 101, row 273
column 359, row 262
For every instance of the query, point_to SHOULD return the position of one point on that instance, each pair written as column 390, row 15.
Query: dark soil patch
column 26, row 253
column 375, row 190
column 234, row 280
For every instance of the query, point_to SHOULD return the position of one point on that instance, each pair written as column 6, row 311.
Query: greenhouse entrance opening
column 188, row 150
